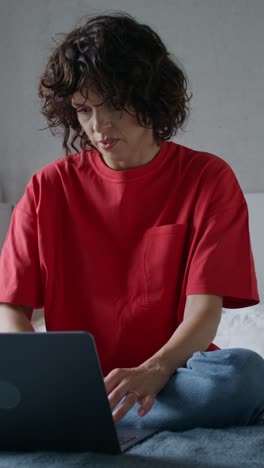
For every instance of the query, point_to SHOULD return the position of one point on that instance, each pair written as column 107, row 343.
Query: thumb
column 146, row 404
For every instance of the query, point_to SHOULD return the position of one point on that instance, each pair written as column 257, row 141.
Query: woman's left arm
column 141, row 384
column 202, row 315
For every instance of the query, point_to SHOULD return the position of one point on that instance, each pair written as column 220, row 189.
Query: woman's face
column 126, row 143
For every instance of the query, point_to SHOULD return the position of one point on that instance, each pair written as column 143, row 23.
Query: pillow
column 242, row 328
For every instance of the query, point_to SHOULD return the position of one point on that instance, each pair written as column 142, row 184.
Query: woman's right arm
column 15, row 318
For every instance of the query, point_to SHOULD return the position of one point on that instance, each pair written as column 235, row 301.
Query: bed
column 234, row 447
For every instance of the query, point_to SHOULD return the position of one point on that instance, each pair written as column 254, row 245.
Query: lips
column 107, row 140
column 108, row 143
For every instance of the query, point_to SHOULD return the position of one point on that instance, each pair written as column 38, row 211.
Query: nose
column 101, row 120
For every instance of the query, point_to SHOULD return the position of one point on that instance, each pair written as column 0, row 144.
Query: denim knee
column 250, row 367
column 240, row 374
column 243, row 365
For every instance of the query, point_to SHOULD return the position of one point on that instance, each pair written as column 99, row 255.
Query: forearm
column 14, row 320
column 195, row 333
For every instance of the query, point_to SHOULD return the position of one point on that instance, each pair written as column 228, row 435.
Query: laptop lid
column 52, row 394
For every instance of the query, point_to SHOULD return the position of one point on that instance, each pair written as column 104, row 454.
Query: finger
column 146, row 404
column 124, row 407
column 118, row 394
column 113, row 379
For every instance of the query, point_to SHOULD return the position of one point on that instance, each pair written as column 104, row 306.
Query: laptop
column 53, row 397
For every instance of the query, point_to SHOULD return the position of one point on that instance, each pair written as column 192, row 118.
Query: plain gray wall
column 219, row 43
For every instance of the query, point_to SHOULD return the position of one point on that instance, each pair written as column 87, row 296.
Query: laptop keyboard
column 127, row 435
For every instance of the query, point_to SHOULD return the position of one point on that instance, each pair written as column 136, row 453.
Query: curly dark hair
column 130, row 67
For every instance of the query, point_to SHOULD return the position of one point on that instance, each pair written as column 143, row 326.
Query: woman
column 135, row 238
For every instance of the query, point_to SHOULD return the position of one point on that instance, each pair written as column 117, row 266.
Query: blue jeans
column 216, row 389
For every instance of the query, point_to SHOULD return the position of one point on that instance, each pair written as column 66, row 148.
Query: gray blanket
column 238, row 447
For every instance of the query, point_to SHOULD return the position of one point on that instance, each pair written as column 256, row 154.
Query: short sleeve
column 20, row 272
column 222, row 262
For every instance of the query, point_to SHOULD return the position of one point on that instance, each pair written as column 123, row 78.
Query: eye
column 84, row 110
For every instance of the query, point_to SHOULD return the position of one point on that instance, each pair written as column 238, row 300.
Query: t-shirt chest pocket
column 161, row 262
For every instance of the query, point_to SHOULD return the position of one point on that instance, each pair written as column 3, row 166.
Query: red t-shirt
column 116, row 252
